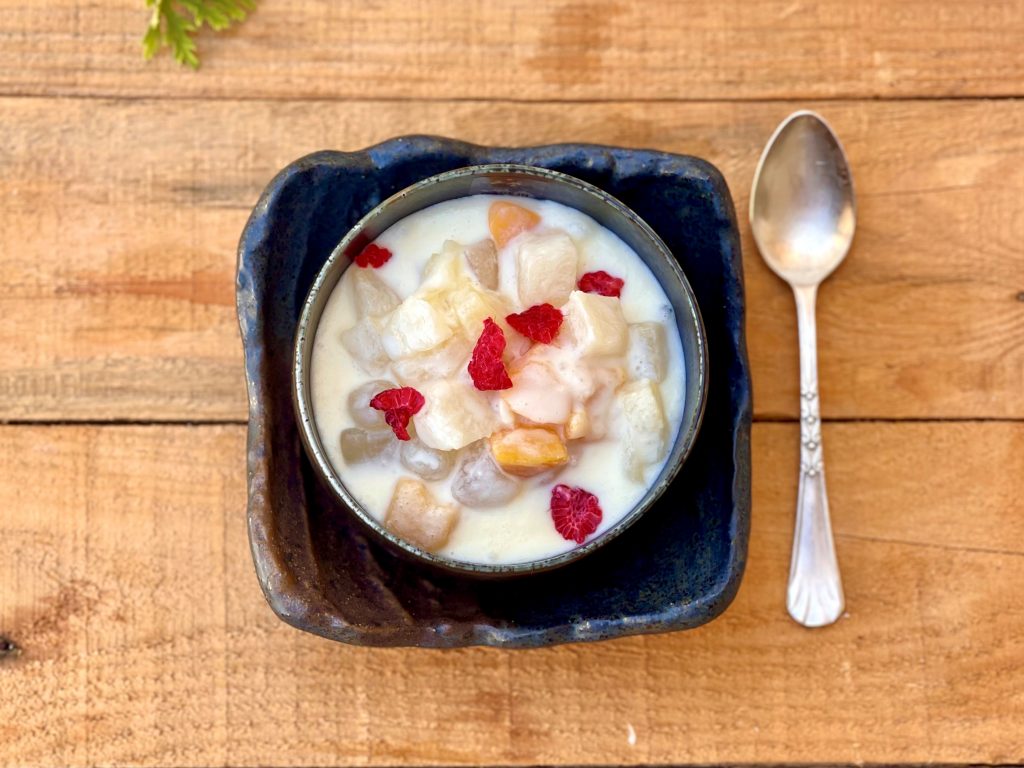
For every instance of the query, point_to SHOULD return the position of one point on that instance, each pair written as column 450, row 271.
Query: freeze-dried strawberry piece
column 486, row 367
column 373, row 256
column 399, row 405
column 538, row 323
column 575, row 511
column 601, row 282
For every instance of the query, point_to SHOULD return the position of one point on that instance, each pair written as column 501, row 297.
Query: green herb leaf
column 175, row 22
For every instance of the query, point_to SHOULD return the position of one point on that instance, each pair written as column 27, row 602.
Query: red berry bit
column 601, row 282
column 576, row 512
column 399, row 405
column 538, row 323
column 373, row 256
column 486, row 367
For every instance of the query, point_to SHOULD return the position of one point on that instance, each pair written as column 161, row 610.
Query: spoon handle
column 815, row 594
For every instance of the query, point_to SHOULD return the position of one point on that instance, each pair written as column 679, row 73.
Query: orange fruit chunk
column 528, row 450
column 506, row 220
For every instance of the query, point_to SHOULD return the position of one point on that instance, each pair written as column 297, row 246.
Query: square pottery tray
column 678, row 567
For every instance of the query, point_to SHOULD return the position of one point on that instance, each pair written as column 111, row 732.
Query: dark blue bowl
column 677, row 567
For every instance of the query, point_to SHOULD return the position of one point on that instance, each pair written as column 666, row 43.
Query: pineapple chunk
column 415, row 326
column 596, row 324
column 444, row 269
column 646, row 430
column 538, row 395
column 373, row 296
column 453, row 416
column 599, row 404
column 528, row 450
column 437, row 363
column 363, row 341
column 415, row 516
column 506, row 220
column 647, row 351
column 471, row 305
column 578, row 425
column 483, row 261
column 546, row 269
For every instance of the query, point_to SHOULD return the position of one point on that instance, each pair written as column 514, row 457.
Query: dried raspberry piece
column 373, row 256
column 486, row 367
column 538, row 323
column 575, row 511
column 399, row 405
column 601, row 282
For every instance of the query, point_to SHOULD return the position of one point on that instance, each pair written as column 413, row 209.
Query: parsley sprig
column 174, row 22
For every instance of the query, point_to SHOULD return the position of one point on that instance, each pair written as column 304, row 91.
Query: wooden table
column 125, row 578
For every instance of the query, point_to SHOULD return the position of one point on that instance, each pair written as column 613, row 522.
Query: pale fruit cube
column 415, row 516
column 470, row 305
column 483, row 262
column 359, row 446
column 596, row 324
column 415, row 326
column 373, row 296
column 546, row 269
column 578, row 425
column 359, row 404
column 599, row 404
column 528, row 450
column 444, row 269
column 428, row 463
column 647, row 351
column 438, row 363
column 479, row 481
column 538, row 395
column 506, row 220
column 454, row 415
column 646, row 429
column 364, row 342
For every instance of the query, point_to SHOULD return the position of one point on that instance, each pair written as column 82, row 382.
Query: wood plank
column 584, row 49
column 126, row 580
column 118, row 224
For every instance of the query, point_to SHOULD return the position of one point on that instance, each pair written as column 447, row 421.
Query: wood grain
column 520, row 49
column 126, row 580
column 119, row 220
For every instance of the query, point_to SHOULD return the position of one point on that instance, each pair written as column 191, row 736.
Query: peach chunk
column 415, row 516
column 528, row 450
column 506, row 220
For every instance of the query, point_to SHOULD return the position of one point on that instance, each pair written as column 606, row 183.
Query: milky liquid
column 522, row 530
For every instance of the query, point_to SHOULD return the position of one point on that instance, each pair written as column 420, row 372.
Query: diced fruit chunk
column 538, row 395
column 599, row 404
column 363, row 341
column 596, row 324
column 546, row 269
column 454, row 416
column 373, row 296
column 437, row 363
column 359, row 446
column 444, row 269
column 415, row 516
column 415, row 326
column 359, row 404
column 483, row 261
column 470, row 305
column 428, row 463
column 647, row 351
column 528, row 450
column 645, row 436
column 479, row 482
column 506, row 220
column 578, row 425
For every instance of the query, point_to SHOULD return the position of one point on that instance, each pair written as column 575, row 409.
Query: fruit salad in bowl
column 496, row 382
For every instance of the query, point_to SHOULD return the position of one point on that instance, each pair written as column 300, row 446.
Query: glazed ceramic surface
column 679, row 566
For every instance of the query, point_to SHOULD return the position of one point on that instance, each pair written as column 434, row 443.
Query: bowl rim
column 306, row 332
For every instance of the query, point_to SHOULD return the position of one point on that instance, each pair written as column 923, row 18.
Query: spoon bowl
column 802, row 209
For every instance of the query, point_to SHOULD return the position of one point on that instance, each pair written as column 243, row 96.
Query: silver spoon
column 802, row 213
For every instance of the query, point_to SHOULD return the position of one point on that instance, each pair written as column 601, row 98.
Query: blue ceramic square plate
column 678, row 567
